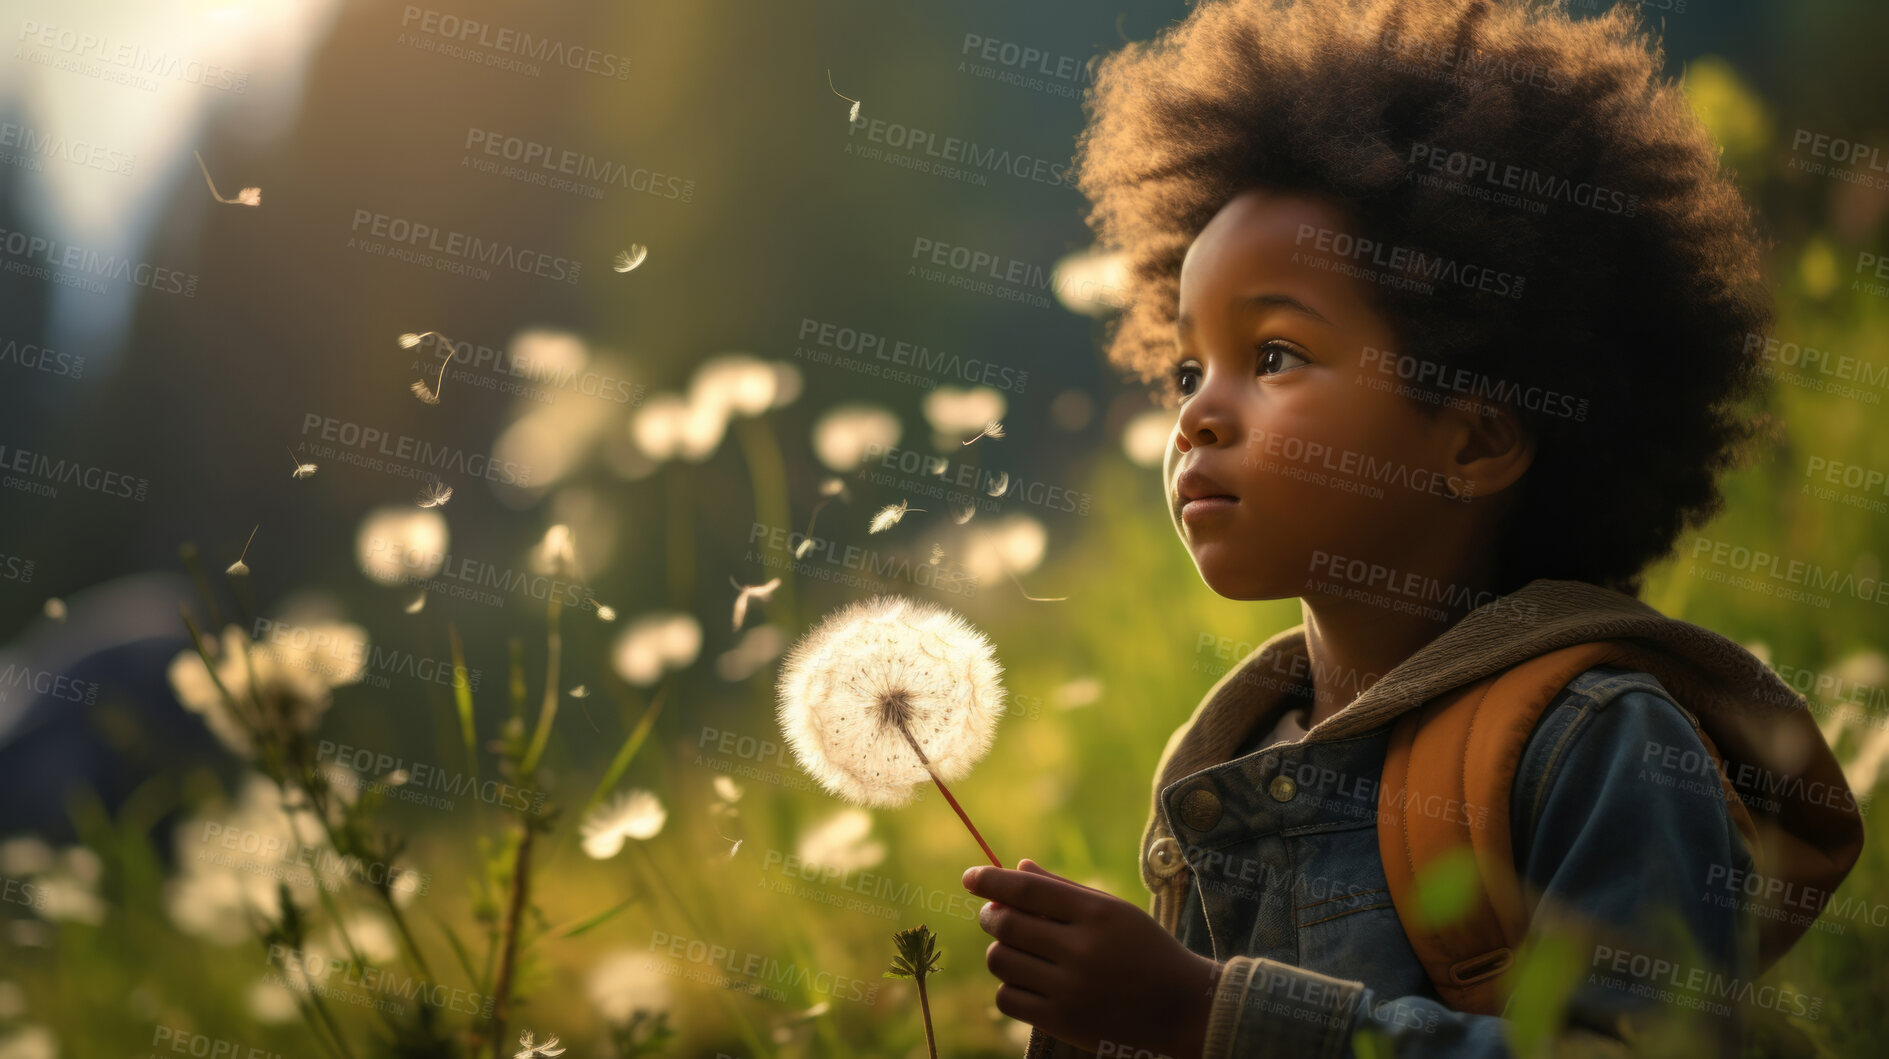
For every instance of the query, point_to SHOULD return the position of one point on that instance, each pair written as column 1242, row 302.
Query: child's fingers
column 1019, row 929
column 1026, row 891
column 1026, row 864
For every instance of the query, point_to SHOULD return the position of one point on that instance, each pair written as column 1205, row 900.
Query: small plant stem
column 924, row 1005
column 946, row 791
column 514, row 915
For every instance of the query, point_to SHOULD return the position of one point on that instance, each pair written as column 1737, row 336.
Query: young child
column 1453, row 298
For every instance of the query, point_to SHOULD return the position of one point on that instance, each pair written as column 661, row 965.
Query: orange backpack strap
column 1447, row 779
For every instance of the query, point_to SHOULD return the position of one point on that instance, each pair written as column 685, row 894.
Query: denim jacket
column 1266, row 858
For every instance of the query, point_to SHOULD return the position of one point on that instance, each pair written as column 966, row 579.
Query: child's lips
column 1203, row 508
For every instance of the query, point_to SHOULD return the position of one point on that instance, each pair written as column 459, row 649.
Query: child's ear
column 1490, row 448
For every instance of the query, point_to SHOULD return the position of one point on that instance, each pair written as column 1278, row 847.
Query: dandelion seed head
column 397, row 543
column 249, row 197
column 424, row 392
column 845, row 434
column 418, row 604
column 842, row 842
column 787, row 383
column 1145, row 439
column 953, row 411
column 727, row 789
column 655, row 644
column 801, row 549
column 961, row 513
column 852, row 115
column 606, row 612
column 743, row 384
column 409, row 339
column 631, row 980
column 1092, row 282
column 634, row 813
column 999, row 484
column 238, row 568
column 845, row 687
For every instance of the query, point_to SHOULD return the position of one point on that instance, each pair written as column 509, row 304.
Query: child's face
column 1282, row 410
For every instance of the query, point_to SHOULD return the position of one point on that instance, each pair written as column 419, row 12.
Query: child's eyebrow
column 1186, row 320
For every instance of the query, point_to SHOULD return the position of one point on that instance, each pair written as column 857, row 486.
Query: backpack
column 1466, row 745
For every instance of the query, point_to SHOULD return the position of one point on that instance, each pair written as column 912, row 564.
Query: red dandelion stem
column 946, row 791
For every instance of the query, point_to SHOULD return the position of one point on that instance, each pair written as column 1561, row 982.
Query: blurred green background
column 359, row 108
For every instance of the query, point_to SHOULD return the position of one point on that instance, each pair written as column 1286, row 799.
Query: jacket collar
column 1700, row 668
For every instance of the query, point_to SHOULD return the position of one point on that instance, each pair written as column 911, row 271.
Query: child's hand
column 1088, row 967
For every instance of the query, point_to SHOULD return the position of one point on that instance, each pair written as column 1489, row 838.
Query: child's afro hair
column 1626, row 352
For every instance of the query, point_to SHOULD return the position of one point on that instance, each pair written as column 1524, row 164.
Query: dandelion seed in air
column 760, row 593
column 580, row 692
column 428, row 394
column 56, row 609
column 434, row 494
column 245, row 197
column 992, row 429
column 961, row 514
column 627, row 260
column 851, row 115
column 532, row 1050
column 605, row 612
column 999, row 485
column 886, row 693
column 889, row 516
column 302, row 470
column 239, row 568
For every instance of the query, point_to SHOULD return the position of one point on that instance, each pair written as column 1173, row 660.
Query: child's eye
column 1186, row 377
column 1272, row 360
column 1272, row 357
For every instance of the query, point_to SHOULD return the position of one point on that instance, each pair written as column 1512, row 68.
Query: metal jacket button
column 1282, row 788
column 1164, row 857
column 1200, row 810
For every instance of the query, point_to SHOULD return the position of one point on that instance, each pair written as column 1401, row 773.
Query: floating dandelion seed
column 418, row 604
column 998, row 485
column 889, row 516
column 886, row 693
column 992, row 429
column 606, row 612
column 936, row 465
column 736, row 848
column 302, row 470
column 851, row 115
column 633, row 814
column 239, row 568
column 245, row 197
column 434, row 494
column 762, row 593
column 428, row 394
column 580, row 692
column 56, row 609
column 961, row 514
column 627, row 260
column 829, row 489
column 532, row 1050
